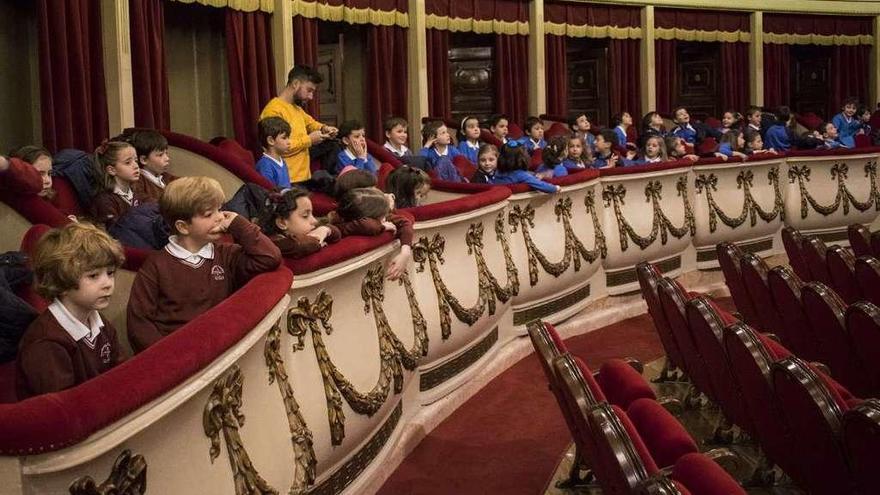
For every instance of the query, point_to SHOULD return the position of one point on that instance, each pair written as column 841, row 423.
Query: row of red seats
column 621, row 432
column 802, row 418
column 862, row 241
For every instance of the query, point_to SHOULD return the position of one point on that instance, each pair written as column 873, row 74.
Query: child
column 677, row 150
column 152, row 156
column 830, row 137
column 41, row 160
column 846, row 123
column 118, row 167
column 289, row 223
column 579, row 156
column 469, row 144
column 732, row 143
column 438, row 151
column 354, row 137
column 274, row 133
column 605, row 143
column 621, row 123
column 781, row 136
column 580, row 126
column 396, row 135
column 755, row 143
column 864, row 116
column 513, row 168
column 534, row 138
column 194, row 273
column 655, row 152
column 70, row 342
column 498, row 126
column 408, row 185
column 487, row 165
column 652, row 125
column 683, row 127
column 754, row 119
column 553, row 155
column 729, row 120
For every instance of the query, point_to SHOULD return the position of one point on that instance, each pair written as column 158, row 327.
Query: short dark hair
column 348, row 127
column 146, row 141
column 646, row 119
column 352, row 179
column 498, row 117
column 392, row 122
column 573, row 118
column 272, row 127
column 430, row 129
column 555, row 151
column 363, row 202
column 850, row 101
column 304, row 73
column 752, row 110
column 610, row 136
column 279, row 206
column 676, row 109
column 783, row 114
column 750, row 136
column 532, row 121
column 403, row 182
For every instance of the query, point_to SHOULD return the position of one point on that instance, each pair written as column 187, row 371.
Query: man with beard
column 302, row 82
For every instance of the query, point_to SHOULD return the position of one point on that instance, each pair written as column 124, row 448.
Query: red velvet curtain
column 666, row 68
column 439, row 85
column 556, row 70
column 512, row 85
column 591, row 14
column 73, row 98
column 777, row 75
column 735, row 75
column 817, row 24
column 386, row 77
column 849, row 75
column 251, row 71
column 305, row 52
column 148, row 72
column 624, row 78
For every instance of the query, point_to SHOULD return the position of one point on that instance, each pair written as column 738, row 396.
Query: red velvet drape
column 73, row 98
column 625, row 88
column 666, row 67
column 777, row 75
column 148, row 72
column 849, row 75
column 305, row 52
column 386, row 77
column 512, row 84
column 735, row 75
column 251, row 71
column 556, row 74
column 439, row 85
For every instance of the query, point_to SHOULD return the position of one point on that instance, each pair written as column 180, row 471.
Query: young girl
column 438, row 151
column 579, row 155
column 498, row 126
column 755, row 144
column 654, row 152
column 677, row 150
column 652, row 125
column 730, row 120
column 469, row 144
column 40, row 159
column 621, row 123
column 408, row 185
column 534, row 138
column 554, row 153
column 287, row 219
column 732, row 143
column 513, row 166
column 396, row 135
column 118, row 168
column 487, row 165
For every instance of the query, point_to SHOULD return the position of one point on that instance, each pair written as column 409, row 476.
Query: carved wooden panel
column 810, row 82
column 697, row 79
column 330, row 67
column 471, row 77
column 588, row 79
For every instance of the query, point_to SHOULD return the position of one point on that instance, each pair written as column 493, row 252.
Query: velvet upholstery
column 841, row 271
column 663, row 435
column 754, row 271
column 792, row 241
column 332, row 254
column 703, row 476
column 649, row 277
column 233, row 147
column 859, row 239
column 863, row 324
column 730, row 259
column 861, row 437
column 867, row 272
column 621, row 384
column 785, row 287
column 461, row 205
column 380, row 153
column 814, row 251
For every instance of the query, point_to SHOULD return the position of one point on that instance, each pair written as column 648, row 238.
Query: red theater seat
column 814, row 251
column 786, row 289
column 793, row 243
column 556, row 129
column 841, row 270
column 232, row 147
column 861, row 438
column 649, row 278
column 754, row 276
column 863, row 324
column 809, row 120
column 859, row 239
column 867, row 272
column 730, row 259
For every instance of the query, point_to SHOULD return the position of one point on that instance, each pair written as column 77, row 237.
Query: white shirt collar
column 75, row 328
column 755, row 127
column 128, row 197
column 155, row 179
column 472, row 145
column 403, row 150
column 349, row 154
column 184, row 254
column 653, row 160
column 445, row 151
column 279, row 162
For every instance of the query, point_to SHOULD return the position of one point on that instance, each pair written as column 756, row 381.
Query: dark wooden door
column 810, row 79
column 471, row 75
column 698, row 86
column 587, row 62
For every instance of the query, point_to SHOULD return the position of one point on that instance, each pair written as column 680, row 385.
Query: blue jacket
column 274, row 172
column 688, row 133
column 558, row 170
column 571, row 165
column 531, row 145
column 470, row 153
column 846, row 129
column 523, row 177
column 345, row 158
column 76, row 167
column 442, row 164
column 777, row 138
column 621, row 136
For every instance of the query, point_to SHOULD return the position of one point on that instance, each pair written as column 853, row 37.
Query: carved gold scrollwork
column 127, row 477
column 751, row 210
column 393, row 355
column 660, row 225
column 839, row 172
column 512, row 289
column 574, row 250
column 300, row 435
column 223, row 414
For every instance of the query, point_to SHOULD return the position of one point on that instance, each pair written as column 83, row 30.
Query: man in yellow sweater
column 302, row 81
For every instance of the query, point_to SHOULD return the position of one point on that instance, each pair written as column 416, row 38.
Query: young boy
column 605, row 143
column 580, row 126
column 396, row 135
column 194, row 273
column 354, row 137
column 152, row 156
column 831, row 137
column 846, row 123
column 534, row 138
column 70, row 342
column 498, row 126
column 275, row 139
column 754, row 118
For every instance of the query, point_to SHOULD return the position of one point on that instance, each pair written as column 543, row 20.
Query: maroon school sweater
column 148, row 191
column 302, row 245
column 169, row 292
column 49, row 360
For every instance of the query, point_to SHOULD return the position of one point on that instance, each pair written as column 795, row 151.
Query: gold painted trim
column 615, row 194
column 128, row 476
column 551, row 307
column 357, row 463
column 587, row 31
column 479, row 26
column 628, row 275
column 752, row 247
column 351, row 15
column 700, row 35
column 839, row 235
column 751, row 210
column 844, row 7
column 818, row 39
column 839, row 172
column 436, row 376
column 267, row 6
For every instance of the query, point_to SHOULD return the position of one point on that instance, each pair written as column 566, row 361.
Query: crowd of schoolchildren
column 206, row 247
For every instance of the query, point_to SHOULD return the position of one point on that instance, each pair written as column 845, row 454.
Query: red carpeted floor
column 509, row 436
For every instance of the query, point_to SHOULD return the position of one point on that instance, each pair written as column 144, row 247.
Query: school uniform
column 58, row 351
column 572, row 165
column 274, row 170
column 150, row 187
column 650, row 132
column 373, row 227
column 109, row 206
column 832, row 144
column 531, row 145
column 174, row 285
column 621, row 135
column 302, row 245
column 641, row 161
column 442, row 164
column 346, row 158
column 482, row 177
column 401, row 152
column 558, row 170
column 600, row 161
column 847, row 127
column 777, row 138
column 523, row 177
column 470, row 150
column 686, row 132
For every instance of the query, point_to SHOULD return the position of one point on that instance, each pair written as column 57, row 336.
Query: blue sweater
column 846, row 129
column 688, row 133
column 777, row 138
column 558, row 171
column 274, row 172
column 468, row 152
column 523, row 177
column 442, row 164
column 531, row 145
column 621, row 136
column 345, row 158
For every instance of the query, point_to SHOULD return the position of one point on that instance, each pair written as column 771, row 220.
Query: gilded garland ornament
column 127, row 477
column 615, row 194
column 839, row 172
column 300, row 435
column 751, row 210
column 223, row 415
